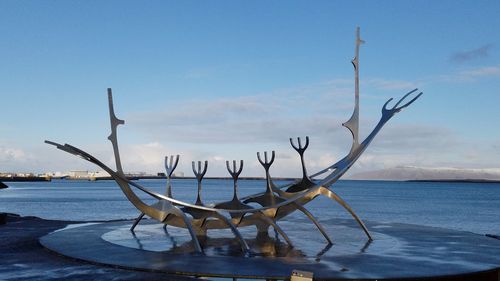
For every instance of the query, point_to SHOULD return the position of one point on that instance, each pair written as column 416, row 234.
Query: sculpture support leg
column 277, row 228
column 313, row 219
column 137, row 220
column 196, row 243
column 330, row 194
column 243, row 243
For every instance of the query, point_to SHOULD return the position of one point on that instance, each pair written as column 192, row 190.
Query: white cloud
column 143, row 157
column 8, row 154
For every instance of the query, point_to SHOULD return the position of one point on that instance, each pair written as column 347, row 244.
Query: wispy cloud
column 227, row 128
column 473, row 74
column 200, row 73
column 496, row 146
column 409, row 144
column 236, row 127
column 385, row 84
column 417, row 137
column 261, row 118
column 474, row 54
column 481, row 72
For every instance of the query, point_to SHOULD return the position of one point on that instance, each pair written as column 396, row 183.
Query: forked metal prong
column 395, row 108
column 258, row 158
column 266, row 164
column 171, row 164
column 410, row 102
column 384, row 108
column 306, row 182
column 404, row 97
column 199, row 173
column 233, row 172
column 300, row 149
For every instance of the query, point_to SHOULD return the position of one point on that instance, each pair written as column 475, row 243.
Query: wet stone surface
column 23, row 258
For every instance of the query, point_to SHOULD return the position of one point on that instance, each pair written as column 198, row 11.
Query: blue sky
column 220, row 80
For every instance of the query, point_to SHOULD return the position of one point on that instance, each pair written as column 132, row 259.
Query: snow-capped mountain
column 422, row 173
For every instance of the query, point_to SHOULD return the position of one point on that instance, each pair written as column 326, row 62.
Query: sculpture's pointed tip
column 51, row 143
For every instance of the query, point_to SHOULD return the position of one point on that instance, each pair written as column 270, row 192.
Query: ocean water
column 473, row 207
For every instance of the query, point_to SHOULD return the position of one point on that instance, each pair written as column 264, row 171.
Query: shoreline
column 152, row 177
column 457, row 180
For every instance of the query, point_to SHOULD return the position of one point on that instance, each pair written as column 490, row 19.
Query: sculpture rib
column 330, row 194
column 84, row 155
column 315, row 221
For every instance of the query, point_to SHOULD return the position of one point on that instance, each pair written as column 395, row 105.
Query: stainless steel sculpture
column 276, row 202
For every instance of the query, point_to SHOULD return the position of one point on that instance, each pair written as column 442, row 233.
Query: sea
column 473, row 207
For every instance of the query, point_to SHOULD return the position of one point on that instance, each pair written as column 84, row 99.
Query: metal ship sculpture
column 275, row 203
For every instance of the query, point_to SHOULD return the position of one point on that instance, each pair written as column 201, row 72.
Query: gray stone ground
column 23, row 258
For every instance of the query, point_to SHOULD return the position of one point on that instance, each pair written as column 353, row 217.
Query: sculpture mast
column 353, row 123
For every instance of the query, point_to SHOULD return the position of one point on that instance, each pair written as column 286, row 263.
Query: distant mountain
column 420, row 173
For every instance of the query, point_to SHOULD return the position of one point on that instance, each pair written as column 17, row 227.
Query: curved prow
column 335, row 171
column 129, row 193
column 118, row 177
column 339, row 168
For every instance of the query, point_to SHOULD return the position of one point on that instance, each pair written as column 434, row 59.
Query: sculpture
column 275, row 203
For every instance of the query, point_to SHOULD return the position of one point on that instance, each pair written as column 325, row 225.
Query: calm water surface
column 463, row 206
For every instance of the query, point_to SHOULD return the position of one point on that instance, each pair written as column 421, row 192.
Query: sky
column 221, row 80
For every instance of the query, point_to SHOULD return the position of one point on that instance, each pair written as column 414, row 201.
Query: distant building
column 79, row 174
column 99, row 174
column 55, row 175
column 178, row 174
column 137, row 174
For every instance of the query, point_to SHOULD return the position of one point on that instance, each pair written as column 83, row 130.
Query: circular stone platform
column 397, row 251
